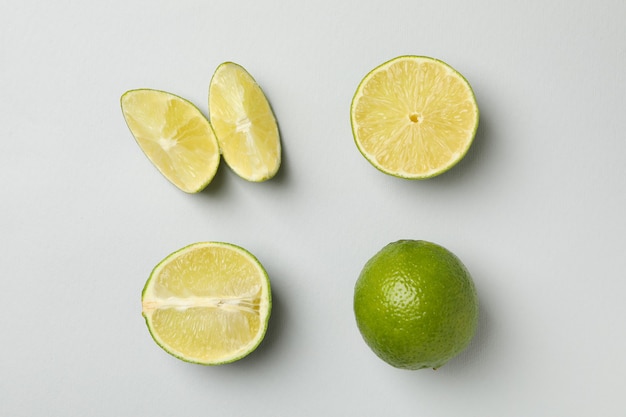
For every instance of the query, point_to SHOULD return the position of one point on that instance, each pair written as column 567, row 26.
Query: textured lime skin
column 415, row 305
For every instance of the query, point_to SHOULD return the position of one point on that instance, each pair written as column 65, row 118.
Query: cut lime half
column 414, row 117
column 208, row 303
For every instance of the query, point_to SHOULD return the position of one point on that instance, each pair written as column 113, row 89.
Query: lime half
column 208, row 303
column 414, row 117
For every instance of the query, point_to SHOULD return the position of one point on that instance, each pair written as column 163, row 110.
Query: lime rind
column 264, row 317
column 404, row 175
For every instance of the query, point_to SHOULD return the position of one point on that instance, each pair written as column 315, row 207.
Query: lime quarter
column 244, row 123
column 175, row 136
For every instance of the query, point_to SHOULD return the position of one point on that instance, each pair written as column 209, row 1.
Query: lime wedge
column 174, row 135
column 208, row 303
column 414, row 117
column 244, row 123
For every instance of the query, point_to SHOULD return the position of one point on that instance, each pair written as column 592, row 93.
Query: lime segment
column 244, row 123
column 174, row 135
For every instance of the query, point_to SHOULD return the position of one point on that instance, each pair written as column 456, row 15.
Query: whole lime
column 416, row 305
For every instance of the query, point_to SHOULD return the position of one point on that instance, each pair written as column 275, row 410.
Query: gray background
column 535, row 210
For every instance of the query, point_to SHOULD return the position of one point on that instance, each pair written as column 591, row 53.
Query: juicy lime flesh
column 208, row 303
column 244, row 123
column 416, row 305
column 174, row 135
column 414, row 117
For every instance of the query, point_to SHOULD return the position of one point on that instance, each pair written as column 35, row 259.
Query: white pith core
column 166, row 143
column 243, row 124
column 244, row 304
